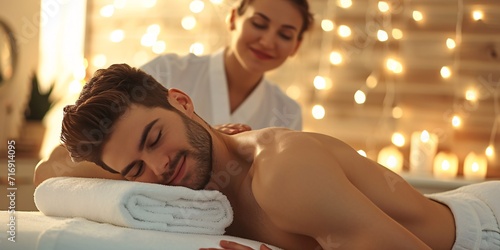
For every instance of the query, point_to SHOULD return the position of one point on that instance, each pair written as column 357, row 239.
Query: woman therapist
column 229, row 86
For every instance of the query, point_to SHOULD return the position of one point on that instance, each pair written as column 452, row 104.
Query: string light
column 456, row 121
column 99, row 60
column 197, row 49
column 397, row 112
column 445, row 72
column 345, row 3
column 318, row 112
column 327, row 25
column 344, row 31
column 417, row 16
column 293, row 92
column 382, row 35
column 188, row 22
column 371, row 81
column 477, row 15
column 394, row 66
column 450, row 43
column 335, row 58
column 397, row 34
column 398, row 139
column 360, row 97
column 383, row 6
column 196, row 6
column 117, row 36
column 107, row 10
column 159, row 47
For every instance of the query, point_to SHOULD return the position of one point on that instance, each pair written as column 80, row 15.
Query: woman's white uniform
column 203, row 78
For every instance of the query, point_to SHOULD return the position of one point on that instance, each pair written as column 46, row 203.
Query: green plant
column 39, row 103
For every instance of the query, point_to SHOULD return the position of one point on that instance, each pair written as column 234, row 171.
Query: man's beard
column 201, row 142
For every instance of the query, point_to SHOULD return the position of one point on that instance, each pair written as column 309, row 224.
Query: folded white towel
column 136, row 205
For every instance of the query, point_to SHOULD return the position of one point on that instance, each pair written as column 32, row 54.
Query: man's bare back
column 354, row 192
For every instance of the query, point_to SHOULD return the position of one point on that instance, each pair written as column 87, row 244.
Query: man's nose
column 156, row 162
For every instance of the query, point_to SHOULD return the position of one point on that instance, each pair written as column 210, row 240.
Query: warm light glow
column 318, row 112
column 445, row 165
column 75, row 87
column 398, row 139
column 382, row 35
column 391, row 158
column 425, row 136
column 397, row 34
column 371, row 81
column 450, row 43
column 119, row 4
column 79, row 72
column 319, row 82
column 293, row 92
column 394, row 66
column 335, row 58
column 141, row 57
column 344, row 31
column 397, row 112
column 490, row 151
column 117, row 36
column 148, row 3
column 196, row 6
column 362, row 153
column 475, row 166
column 107, row 10
column 99, row 60
column 345, row 3
column 456, row 121
column 445, row 72
column 477, row 15
column 471, row 95
column 154, row 29
column 383, row 6
column 327, row 25
column 417, row 16
column 159, row 47
column 148, row 40
column 197, row 49
column 216, row 1
column 188, row 22
column 360, row 97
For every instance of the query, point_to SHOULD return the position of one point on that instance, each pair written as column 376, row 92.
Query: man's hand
column 231, row 245
column 232, row 128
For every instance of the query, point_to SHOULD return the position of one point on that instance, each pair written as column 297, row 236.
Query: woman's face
column 266, row 34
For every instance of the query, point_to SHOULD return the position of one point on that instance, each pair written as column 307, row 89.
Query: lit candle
column 445, row 165
column 391, row 158
column 475, row 167
column 422, row 151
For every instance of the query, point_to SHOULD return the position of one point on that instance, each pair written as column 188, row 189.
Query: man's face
column 157, row 145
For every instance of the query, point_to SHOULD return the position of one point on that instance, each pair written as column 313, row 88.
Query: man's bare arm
column 59, row 163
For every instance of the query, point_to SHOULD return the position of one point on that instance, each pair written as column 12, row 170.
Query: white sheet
column 37, row 231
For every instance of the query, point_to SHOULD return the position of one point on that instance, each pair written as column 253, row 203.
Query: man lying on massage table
column 294, row 190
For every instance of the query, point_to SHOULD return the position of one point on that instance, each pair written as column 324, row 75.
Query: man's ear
column 181, row 101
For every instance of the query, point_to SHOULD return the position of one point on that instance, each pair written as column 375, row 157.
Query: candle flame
column 424, row 137
column 445, row 165
column 475, row 167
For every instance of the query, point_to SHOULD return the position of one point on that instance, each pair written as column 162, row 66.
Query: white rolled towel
column 136, row 205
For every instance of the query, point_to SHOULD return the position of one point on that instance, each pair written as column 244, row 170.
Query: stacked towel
column 136, row 205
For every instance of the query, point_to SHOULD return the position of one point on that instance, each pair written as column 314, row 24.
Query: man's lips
column 179, row 170
column 261, row 55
